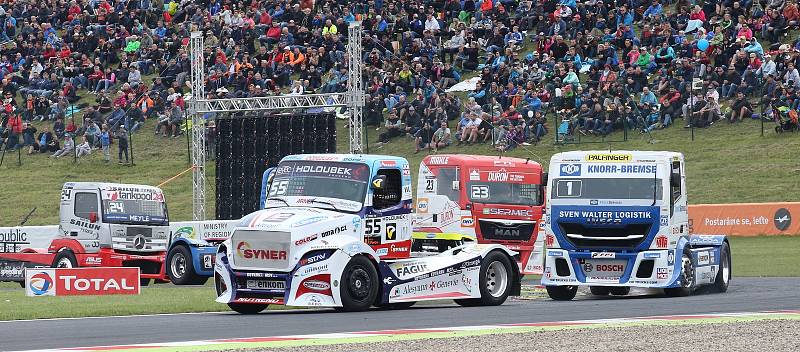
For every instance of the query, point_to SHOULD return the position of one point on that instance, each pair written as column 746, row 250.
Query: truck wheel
column 247, row 308
column 495, row 282
column 562, row 293
column 65, row 259
column 600, row 290
column 359, row 286
column 180, row 267
column 686, row 279
column 724, row 272
column 620, row 291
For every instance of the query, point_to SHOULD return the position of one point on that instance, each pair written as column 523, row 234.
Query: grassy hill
column 725, row 164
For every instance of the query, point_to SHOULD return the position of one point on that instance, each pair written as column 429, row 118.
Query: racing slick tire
column 619, row 291
column 725, row 273
column 65, row 259
column 562, row 293
column 359, row 285
column 180, row 268
column 243, row 308
column 686, row 279
column 496, row 275
column 600, row 290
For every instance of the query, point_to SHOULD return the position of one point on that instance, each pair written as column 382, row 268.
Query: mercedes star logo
column 139, row 242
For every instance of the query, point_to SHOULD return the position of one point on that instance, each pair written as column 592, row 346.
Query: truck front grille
column 137, row 240
column 506, row 230
column 626, row 237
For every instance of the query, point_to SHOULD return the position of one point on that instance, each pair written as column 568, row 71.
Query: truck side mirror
column 378, row 182
column 455, row 186
column 675, row 179
column 545, row 178
column 92, row 217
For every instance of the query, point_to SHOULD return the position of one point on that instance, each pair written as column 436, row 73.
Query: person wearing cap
column 69, row 146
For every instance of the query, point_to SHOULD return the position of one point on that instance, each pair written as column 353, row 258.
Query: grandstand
column 567, row 72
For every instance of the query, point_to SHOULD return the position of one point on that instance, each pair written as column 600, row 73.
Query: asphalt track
column 744, row 295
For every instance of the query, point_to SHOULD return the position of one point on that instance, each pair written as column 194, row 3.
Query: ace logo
column 82, row 281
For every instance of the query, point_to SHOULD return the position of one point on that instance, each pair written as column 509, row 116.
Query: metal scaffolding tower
column 198, row 128
column 199, row 105
column 355, row 88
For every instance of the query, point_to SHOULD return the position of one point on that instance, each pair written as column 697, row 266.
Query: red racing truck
column 491, row 199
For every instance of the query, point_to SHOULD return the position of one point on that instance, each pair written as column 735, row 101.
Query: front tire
column 247, row 308
column 180, row 267
column 359, row 284
column 620, row 291
column 65, row 259
column 495, row 280
column 562, row 293
column 725, row 272
column 599, row 290
column 687, row 277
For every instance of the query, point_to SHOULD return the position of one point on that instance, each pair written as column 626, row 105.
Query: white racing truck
column 101, row 224
column 336, row 232
column 617, row 220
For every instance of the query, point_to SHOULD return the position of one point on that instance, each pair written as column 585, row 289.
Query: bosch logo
column 41, row 283
column 570, row 170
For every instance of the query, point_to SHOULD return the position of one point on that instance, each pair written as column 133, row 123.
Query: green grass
column 765, row 256
column 15, row 305
column 725, row 164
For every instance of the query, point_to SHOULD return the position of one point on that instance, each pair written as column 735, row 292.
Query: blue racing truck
column 616, row 220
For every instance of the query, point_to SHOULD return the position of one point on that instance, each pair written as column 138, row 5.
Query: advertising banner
column 745, row 219
column 82, row 282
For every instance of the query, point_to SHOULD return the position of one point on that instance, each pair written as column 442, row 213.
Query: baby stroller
column 787, row 120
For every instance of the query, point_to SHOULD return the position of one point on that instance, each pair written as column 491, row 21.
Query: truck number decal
column 569, row 188
column 116, row 207
column 430, row 185
column 480, row 192
column 373, row 226
column 66, row 193
column 278, row 188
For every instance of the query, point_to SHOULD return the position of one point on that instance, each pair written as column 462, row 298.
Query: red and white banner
column 81, row 281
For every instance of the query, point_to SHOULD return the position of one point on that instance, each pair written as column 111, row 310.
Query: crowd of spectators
column 96, row 70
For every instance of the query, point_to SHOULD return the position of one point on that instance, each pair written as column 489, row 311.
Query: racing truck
column 193, row 248
column 617, row 220
column 100, row 224
column 491, row 199
column 335, row 231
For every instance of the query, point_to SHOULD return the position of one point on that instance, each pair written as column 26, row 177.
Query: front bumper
column 652, row 268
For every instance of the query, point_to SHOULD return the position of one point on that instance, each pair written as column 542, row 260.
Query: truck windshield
column 504, row 193
column 341, row 186
column 607, row 188
column 130, row 211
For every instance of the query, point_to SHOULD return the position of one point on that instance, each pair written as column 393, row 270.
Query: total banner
column 745, row 219
column 81, row 281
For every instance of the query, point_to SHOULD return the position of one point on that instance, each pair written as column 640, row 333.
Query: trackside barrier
column 745, row 219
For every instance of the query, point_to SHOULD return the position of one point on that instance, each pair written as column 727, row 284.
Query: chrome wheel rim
column 496, row 279
column 178, row 265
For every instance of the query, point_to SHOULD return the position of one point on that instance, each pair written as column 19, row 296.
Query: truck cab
column 375, row 188
column 335, row 231
column 491, row 199
column 617, row 220
column 104, row 224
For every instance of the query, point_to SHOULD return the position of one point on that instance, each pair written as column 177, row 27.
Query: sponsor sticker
column 570, row 169
column 422, row 205
column 467, row 221
column 612, row 158
column 81, row 281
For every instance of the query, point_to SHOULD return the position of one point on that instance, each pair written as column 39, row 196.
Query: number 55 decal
column 373, row 226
